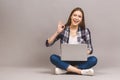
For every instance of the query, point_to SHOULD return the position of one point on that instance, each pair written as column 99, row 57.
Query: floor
column 15, row 73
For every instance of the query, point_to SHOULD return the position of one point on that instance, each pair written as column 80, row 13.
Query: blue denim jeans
column 56, row 60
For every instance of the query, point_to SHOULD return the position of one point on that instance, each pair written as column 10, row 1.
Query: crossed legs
column 91, row 61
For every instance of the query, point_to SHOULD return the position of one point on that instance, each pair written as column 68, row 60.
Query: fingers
column 61, row 24
column 60, row 27
column 88, row 51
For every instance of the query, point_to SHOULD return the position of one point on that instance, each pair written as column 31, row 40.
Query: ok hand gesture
column 60, row 28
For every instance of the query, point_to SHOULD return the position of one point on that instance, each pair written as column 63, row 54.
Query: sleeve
column 88, row 41
column 57, row 38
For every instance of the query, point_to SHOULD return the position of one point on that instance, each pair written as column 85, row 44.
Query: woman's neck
column 73, row 30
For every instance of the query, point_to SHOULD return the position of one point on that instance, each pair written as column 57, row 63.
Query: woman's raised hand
column 60, row 28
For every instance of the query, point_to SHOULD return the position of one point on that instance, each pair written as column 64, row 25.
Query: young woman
column 73, row 32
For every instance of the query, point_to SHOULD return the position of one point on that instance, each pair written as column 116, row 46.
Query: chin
column 75, row 24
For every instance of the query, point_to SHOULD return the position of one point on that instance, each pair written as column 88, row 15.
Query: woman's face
column 76, row 18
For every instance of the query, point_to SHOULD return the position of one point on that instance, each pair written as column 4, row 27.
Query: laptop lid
column 74, row 52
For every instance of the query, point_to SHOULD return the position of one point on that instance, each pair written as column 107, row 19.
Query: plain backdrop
column 26, row 24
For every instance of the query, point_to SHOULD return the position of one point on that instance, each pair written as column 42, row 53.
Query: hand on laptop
column 88, row 52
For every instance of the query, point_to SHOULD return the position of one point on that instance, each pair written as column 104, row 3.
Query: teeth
column 75, row 21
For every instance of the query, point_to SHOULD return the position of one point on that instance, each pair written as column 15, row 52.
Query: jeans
column 56, row 60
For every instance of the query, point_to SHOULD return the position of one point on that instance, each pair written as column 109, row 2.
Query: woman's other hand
column 88, row 52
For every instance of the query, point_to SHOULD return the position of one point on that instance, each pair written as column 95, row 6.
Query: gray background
column 26, row 24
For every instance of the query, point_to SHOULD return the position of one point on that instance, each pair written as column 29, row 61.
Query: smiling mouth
column 75, row 21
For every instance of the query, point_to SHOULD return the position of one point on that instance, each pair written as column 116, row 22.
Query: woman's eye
column 79, row 16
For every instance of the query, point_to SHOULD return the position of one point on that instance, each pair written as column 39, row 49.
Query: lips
column 76, row 21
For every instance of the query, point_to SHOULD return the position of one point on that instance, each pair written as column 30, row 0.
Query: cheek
column 80, row 19
column 72, row 18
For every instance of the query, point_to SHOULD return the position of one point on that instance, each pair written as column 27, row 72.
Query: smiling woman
column 76, row 18
column 73, row 32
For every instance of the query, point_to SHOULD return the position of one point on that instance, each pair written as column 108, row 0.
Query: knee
column 54, row 57
column 93, row 59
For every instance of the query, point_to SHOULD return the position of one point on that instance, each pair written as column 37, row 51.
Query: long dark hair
column 82, row 23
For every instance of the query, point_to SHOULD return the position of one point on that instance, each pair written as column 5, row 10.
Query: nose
column 77, row 17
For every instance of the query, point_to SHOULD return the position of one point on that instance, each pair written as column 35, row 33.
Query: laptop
column 74, row 52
